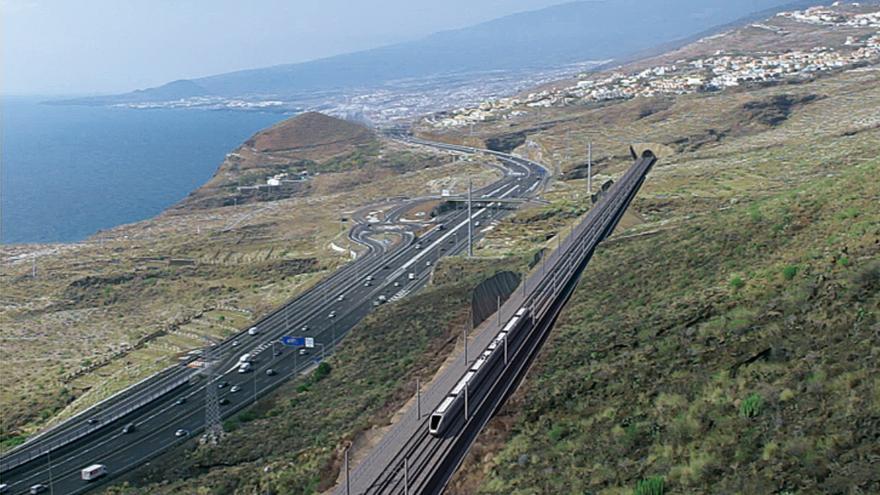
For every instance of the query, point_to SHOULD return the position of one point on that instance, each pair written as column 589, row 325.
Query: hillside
column 724, row 340
column 308, row 132
column 308, row 154
column 130, row 300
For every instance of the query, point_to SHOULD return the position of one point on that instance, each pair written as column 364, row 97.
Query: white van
column 93, row 472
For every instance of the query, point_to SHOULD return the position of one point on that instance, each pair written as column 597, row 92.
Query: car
column 129, row 428
column 234, row 343
column 386, row 267
column 382, row 299
column 224, row 401
column 276, row 352
column 369, row 278
column 332, row 314
column 94, row 421
column 4, row 488
column 376, row 303
column 181, row 401
column 305, row 328
column 396, row 283
column 271, row 372
column 428, row 263
column 418, row 246
column 234, row 389
column 368, row 284
column 442, row 249
column 38, row 488
column 181, row 433
column 245, row 367
column 253, row 331
column 340, row 298
column 411, row 276
column 303, row 351
column 222, row 384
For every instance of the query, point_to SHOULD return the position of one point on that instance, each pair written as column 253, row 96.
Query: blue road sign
column 293, row 341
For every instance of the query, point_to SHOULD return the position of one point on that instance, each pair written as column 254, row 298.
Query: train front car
column 468, row 387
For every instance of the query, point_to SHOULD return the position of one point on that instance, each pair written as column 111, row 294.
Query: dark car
column 224, row 401
column 222, row 384
column 94, row 421
column 129, row 428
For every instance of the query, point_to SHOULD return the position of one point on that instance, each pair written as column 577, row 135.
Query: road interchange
column 174, row 399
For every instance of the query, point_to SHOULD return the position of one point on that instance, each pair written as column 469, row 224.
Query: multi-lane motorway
column 168, row 409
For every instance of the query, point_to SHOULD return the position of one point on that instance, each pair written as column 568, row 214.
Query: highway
column 420, row 453
column 174, row 399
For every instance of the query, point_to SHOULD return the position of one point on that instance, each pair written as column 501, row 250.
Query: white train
column 453, row 404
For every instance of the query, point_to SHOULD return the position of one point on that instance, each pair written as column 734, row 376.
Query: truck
column 93, row 472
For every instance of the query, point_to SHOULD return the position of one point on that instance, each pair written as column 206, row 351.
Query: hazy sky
column 100, row 46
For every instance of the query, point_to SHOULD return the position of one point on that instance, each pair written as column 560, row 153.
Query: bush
column 751, row 406
column 650, row 486
column 322, row 371
column 789, row 272
column 737, row 282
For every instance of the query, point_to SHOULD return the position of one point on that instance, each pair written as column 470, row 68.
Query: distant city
column 396, row 101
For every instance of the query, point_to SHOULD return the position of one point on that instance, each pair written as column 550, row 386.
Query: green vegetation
column 650, row 486
column 751, row 406
column 290, row 442
column 725, row 338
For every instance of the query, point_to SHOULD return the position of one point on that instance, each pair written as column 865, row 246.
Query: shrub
column 247, row 416
column 751, row 406
column 789, row 272
column 650, row 486
column 737, row 282
column 322, row 371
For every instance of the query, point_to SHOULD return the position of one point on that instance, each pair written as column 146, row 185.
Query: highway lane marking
column 442, row 238
column 261, row 348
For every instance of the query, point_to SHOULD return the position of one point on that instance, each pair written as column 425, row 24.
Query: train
column 454, row 402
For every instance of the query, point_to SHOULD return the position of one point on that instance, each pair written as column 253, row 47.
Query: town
column 713, row 73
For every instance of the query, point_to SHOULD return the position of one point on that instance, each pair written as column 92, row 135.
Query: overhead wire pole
column 213, row 420
column 470, row 219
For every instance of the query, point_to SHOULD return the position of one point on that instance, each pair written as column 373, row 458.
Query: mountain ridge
column 547, row 37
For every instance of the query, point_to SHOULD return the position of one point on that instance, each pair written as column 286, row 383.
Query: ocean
column 68, row 171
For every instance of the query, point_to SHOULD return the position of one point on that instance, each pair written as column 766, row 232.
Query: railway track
column 421, row 452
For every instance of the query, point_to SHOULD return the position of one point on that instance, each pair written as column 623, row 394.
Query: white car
column 253, row 331
column 341, row 298
column 181, row 433
column 234, row 389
